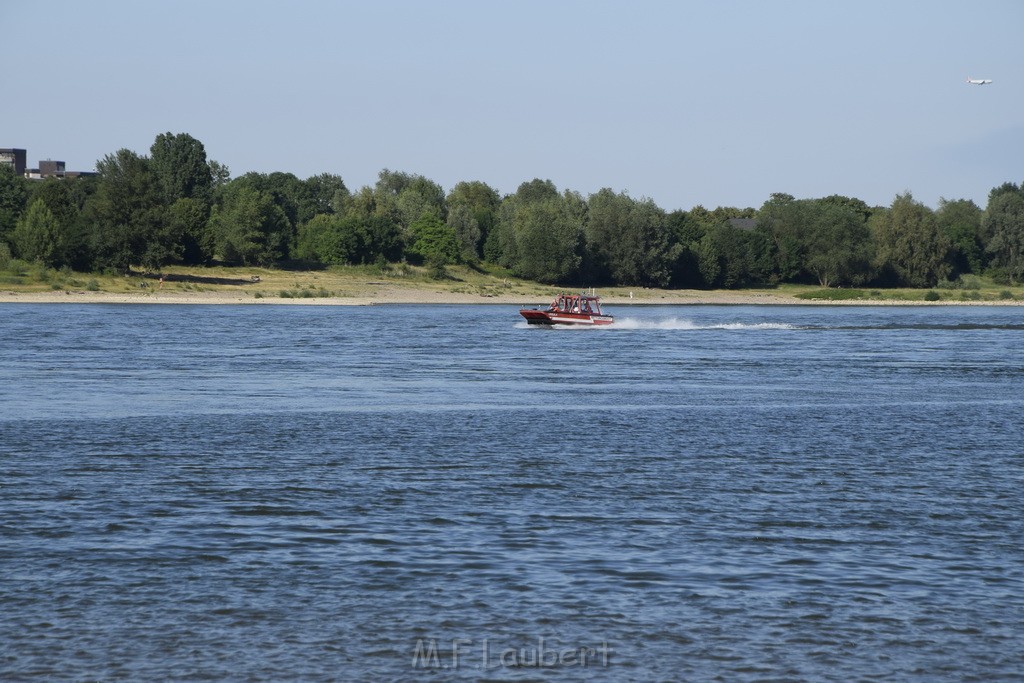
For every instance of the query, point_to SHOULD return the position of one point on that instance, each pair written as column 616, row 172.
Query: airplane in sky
column 979, row 81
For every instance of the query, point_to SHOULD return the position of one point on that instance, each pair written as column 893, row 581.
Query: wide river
column 738, row 493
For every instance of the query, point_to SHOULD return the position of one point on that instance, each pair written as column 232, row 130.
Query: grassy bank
column 467, row 283
column 334, row 282
column 969, row 288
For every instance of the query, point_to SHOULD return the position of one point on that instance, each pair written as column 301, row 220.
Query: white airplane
column 979, row 81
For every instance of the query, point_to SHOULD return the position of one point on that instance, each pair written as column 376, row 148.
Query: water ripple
column 732, row 493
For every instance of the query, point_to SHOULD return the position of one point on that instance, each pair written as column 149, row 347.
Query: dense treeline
column 177, row 206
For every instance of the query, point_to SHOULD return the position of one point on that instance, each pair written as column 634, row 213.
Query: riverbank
column 403, row 284
column 406, row 295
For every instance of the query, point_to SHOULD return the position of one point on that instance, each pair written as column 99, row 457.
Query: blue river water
column 737, row 493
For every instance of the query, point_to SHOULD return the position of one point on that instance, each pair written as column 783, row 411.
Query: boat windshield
column 577, row 304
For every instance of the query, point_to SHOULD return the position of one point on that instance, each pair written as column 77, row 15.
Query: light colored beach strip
column 408, row 295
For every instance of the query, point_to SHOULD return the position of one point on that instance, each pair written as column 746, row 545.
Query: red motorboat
column 569, row 309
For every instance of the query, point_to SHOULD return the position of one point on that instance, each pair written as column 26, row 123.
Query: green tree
column 472, row 211
column 550, row 242
column 607, row 219
column 78, row 251
column 960, row 222
column 36, row 236
column 128, row 215
column 186, row 179
column 179, row 162
column 434, row 242
column 502, row 245
column 423, row 196
column 65, row 198
column 732, row 257
column 220, row 174
column 310, row 234
column 629, row 240
column 723, row 214
column 825, row 239
column 385, row 234
column 301, row 200
column 910, row 248
column 58, row 196
column 852, row 203
column 383, row 239
column 539, row 233
column 404, row 197
column 467, row 230
column 332, row 240
column 1005, row 188
column 13, row 197
column 363, row 204
column 249, row 227
column 286, row 192
column 709, row 260
column 784, row 218
column 687, row 231
column 335, row 239
column 985, row 234
column 188, row 220
column 1004, row 221
column 536, row 190
column 322, row 194
column 838, row 250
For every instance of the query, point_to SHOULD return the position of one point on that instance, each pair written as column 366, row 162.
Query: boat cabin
column 576, row 303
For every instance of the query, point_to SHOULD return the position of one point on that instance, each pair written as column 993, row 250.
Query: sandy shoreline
column 402, row 295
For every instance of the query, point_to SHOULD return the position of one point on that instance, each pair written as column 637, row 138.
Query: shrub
column 41, row 273
column 832, row 294
column 1006, row 295
column 970, row 282
column 436, row 270
column 931, row 295
column 92, row 285
column 999, row 276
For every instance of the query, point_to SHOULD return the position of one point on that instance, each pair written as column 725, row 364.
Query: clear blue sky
column 714, row 103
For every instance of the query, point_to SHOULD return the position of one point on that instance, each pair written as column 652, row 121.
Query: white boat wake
column 684, row 324
column 664, row 324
